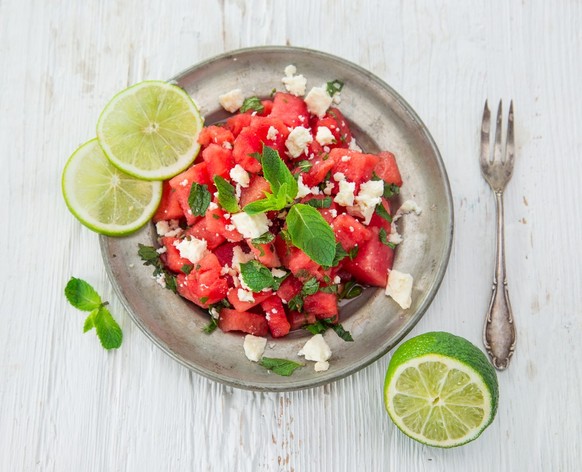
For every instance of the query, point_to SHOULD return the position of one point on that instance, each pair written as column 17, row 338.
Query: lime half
column 102, row 197
column 150, row 130
column 441, row 390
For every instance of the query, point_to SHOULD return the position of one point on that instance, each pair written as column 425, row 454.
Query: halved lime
column 102, row 197
column 150, row 130
column 441, row 390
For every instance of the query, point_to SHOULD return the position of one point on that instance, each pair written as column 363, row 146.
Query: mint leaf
column 351, row 290
column 270, row 203
column 81, row 295
column 252, row 103
column 321, row 326
column 89, row 324
column 304, row 166
column 264, row 238
column 381, row 212
column 311, row 233
column 383, row 236
column 333, row 87
column 342, row 333
column 316, row 328
column 277, row 173
column 211, row 326
column 108, row 330
column 296, row 303
column 390, row 190
column 283, row 367
column 310, row 287
column 256, row 276
column 187, row 268
column 199, row 199
column 353, row 252
column 319, row 202
column 226, row 195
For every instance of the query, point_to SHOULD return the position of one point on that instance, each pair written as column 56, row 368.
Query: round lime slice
column 150, row 130
column 102, row 197
column 441, row 390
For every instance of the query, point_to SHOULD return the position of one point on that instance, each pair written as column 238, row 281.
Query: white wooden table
column 68, row 405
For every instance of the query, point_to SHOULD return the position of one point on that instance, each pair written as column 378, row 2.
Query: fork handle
column 499, row 330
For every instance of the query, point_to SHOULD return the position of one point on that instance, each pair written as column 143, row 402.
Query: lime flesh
column 440, row 390
column 150, row 130
column 104, row 198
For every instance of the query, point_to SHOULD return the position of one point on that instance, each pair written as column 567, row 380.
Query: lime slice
column 102, row 197
column 441, row 390
column 150, row 130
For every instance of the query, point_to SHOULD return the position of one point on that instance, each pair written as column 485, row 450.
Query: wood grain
column 65, row 404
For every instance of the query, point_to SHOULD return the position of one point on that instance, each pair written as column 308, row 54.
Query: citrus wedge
column 150, row 130
column 440, row 390
column 102, row 197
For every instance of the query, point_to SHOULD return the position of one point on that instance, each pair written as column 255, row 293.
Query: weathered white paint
column 66, row 404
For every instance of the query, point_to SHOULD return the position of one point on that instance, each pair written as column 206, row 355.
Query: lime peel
column 441, row 390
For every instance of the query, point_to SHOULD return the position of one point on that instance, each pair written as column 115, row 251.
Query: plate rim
column 439, row 275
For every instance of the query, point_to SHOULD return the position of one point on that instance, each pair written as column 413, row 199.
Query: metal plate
column 380, row 120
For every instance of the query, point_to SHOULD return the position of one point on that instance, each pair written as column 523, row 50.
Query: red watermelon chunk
column 239, row 305
column 171, row 257
column 320, row 167
column 337, row 124
column 245, row 321
column 218, row 160
column 169, row 207
column 290, row 287
column 200, row 231
column 379, row 221
column 298, row 320
column 356, row 166
column 215, row 134
column 371, row 264
column 203, row 285
column 322, row 305
column 217, row 223
column 182, row 185
column 387, row 169
column 237, row 123
column 258, row 187
column 349, row 232
column 276, row 317
column 291, row 110
column 265, row 254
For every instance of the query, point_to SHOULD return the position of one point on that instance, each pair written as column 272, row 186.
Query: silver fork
column 497, row 168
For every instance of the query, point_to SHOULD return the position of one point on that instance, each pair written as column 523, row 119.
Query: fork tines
column 486, row 156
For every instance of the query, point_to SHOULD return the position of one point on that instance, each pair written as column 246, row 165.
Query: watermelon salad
column 280, row 217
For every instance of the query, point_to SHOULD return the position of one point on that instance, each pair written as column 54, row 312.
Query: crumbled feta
column 298, row 140
column 272, row 133
column 318, row 101
column 254, row 347
column 337, row 279
column 339, row 176
column 251, row 226
column 394, row 237
column 169, row 228
column 353, row 146
column 232, row 101
column 369, row 197
column 346, row 158
column 184, row 182
column 192, row 249
column 324, row 136
column 278, row 273
column 399, row 287
column 160, row 279
column 162, row 227
column 345, row 196
column 328, row 188
column 333, row 213
column 304, row 190
column 321, row 366
column 227, row 145
column 212, row 206
column 245, row 296
column 290, row 70
column 239, row 175
column 240, row 257
column 162, row 250
column 295, row 84
column 316, row 349
column 409, row 206
column 214, row 313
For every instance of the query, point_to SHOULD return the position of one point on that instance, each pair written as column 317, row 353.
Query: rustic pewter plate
column 380, row 120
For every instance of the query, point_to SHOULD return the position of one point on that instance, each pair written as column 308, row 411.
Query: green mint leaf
column 81, row 295
column 264, row 238
column 283, row 367
column 256, row 275
column 311, row 233
column 304, row 166
column 108, row 330
column 383, row 236
column 277, row 173
column 390, row 190
column 340, row 253
column 296, row 303
column 353, row 252
column 319, row 202
column 310, row 287
column 226, row 195
column 89, row 324
column 316, row 328
column 333, row 87
column 211, row 326
column 382, row 213
column 351, row 290
column 170, row 281
column 150, row 256
column 270, row 203
column 328, row 289
column 342, row 333
column 252, row 103
column 199, row 199
column 187, row 268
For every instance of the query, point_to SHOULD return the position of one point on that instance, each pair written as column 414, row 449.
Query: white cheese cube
column 399, row 288
column 298, row 140
column 250, row 226
column 324, row 136
column 321, row 366
column 192, row 249
column 239, row 175
column 316, row 349
column 345, row 196
column 254, row 347
column 318, row 101
column 232, row 101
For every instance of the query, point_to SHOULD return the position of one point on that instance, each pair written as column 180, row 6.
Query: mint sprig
column 84, row 297
column 226, row 195
column 252, row 103
column 311, row 233
column 284, row 367
column 258, row 277
column 321, row 326
column 199, row 199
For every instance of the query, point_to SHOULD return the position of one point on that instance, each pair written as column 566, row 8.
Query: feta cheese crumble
column 321, row 366
column 232, row 101
column 369, row 197
column 304, row 190
column 272, row 133
column 254, row 347
column 239, row 175
column 324, row 136
column 318, row 101
column 192, row 249
column 316, row 349
column 250, row 226
column 240, row 257
column 399, row 288
column 298, row 140
column 295, row 84
column 245, row 295
column 278, row 273
column 345, row 196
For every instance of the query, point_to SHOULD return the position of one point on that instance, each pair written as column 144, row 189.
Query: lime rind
column 150, row 130
column 441, row 390
column 102, row 197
